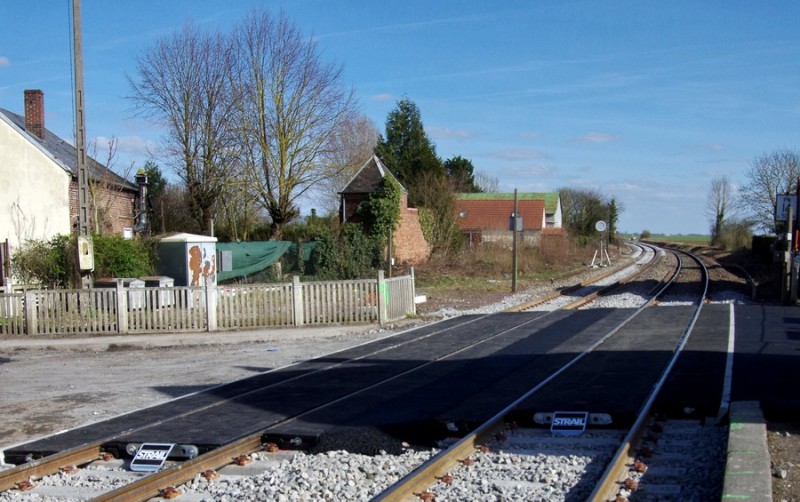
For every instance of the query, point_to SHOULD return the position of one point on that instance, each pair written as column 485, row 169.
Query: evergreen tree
column 406, row 149
column 461, row 173
column 156, row 189
column 613, row 217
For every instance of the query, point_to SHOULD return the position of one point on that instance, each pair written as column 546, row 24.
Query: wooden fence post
column 30, row 313
column 297, row 301
column 122, row 308
column 381, row 298
column 413, row 288
column 211, row 306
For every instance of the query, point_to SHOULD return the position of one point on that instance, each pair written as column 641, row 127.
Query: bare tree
column 350, row 147
column 106, row 187
column 437, row 201
column 238, row 213
column 173, row 210
column 292, row 104
column 584, row 208
column 486, row 182
column 185, row 82
column 719, row 204
column 770, row 175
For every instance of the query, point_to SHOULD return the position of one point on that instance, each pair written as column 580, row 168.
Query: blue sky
column 643, row 101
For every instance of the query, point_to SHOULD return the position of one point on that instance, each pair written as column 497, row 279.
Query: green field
column 691, row 239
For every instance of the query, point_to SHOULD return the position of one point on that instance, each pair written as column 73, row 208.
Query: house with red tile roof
column 487, row 217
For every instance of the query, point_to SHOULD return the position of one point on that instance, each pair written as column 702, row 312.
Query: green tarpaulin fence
column 249, row 258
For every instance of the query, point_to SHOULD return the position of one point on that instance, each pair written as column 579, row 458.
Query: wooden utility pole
column 514, row 230
column 80, row 124
column 84, row 241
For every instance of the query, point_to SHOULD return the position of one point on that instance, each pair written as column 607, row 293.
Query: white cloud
column 136, row 146
column 381, row 97
column 597, row 137
column 538, row 171
column 4, row 61
column 517, row 154
column 445, row 133
column 626, row 187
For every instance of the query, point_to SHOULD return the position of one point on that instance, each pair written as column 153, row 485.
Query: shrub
column 116, row 256
column 50, row 263
column 382, row 212
column 53, row 263
column 734, row 235
column 348, row 254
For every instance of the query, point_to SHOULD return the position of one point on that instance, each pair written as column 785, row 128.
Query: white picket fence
column 187, row 309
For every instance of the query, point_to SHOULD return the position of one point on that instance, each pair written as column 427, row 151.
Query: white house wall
column 34, row 189
column 558, row 218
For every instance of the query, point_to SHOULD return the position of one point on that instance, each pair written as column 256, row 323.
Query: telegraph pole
column 80, row 124
column 84, row 242
column 514, row 229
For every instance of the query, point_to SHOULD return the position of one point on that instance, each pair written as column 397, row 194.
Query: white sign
column 151, row 456
column 569, row 423
column 784, row 202
column 600, row 226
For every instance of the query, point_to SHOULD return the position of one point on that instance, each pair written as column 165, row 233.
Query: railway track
column 646, row 258
column 606, row 486
column 253, row 447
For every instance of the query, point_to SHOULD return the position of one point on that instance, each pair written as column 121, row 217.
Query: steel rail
column 591, row 296
column 151, row 485
column 426, row 474
column 609, row 484
column 47, row 465
column 580, row 302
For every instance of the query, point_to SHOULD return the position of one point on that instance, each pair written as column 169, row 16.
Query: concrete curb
column 154, row 340
column 747, row 473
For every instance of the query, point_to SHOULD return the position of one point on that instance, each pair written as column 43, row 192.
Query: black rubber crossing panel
column 695, row 385
column 410, row 408
column 557, row 345
column 617, row 377
column 766, row 360
column 225, row 413
column 261, row 409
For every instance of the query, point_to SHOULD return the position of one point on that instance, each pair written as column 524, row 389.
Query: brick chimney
column 34, row 112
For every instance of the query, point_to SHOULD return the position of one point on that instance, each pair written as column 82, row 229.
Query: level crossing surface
column 447, row 350
column 466, row 368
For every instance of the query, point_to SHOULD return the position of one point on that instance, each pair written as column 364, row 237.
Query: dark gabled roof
column 368, row 179
column 67, row 155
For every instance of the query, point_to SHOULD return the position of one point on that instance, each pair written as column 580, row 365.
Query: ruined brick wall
column 410, row 246
column 115, row 209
